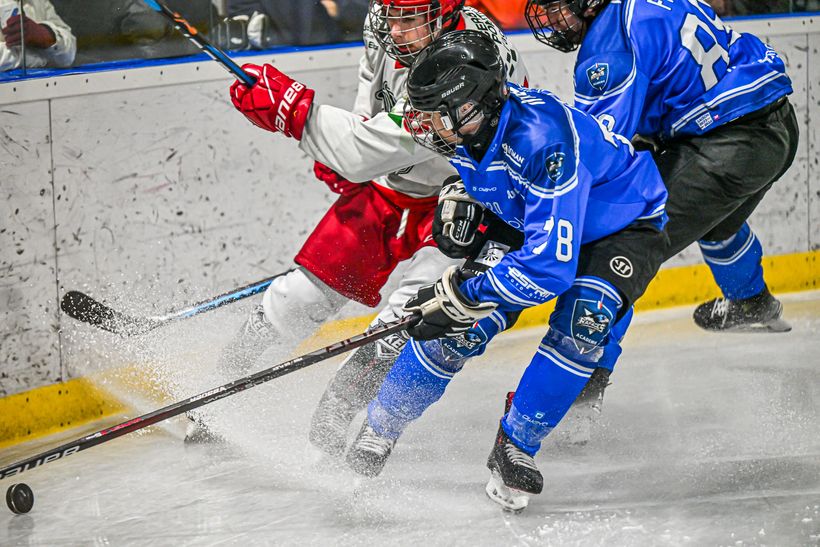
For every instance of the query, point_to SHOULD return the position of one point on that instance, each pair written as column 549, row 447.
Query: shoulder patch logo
column 555, row 166
column 598, row 75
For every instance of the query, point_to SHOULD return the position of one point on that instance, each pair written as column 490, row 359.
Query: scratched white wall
column 163, row 196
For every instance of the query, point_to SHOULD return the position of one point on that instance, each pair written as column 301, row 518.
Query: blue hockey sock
column 546, row 391
column 414, row 383
column 735, row 264
column 580, row 331
column 421, row 374
column 612, row 348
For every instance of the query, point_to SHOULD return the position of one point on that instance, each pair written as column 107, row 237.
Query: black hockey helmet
column 456, row 89
column 419, row 23
column 560, row 23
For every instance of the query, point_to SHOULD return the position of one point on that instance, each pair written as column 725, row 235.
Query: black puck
column 20, row 498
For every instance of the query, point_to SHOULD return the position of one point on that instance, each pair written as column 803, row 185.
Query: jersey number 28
column 706, row 59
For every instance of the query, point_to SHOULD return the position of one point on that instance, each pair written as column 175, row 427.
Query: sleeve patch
column 598, row 75
column 555, row 166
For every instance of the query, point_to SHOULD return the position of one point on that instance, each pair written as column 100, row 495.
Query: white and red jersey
column 369, row 142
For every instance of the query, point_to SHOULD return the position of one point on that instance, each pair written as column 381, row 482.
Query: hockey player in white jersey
column 382, row 218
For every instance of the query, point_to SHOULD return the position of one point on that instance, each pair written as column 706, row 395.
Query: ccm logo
column 621, row 266
column 286, row 104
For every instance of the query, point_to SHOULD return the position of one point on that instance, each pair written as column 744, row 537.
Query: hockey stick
column 201, row 42
column 82, row 307
column 141, row 422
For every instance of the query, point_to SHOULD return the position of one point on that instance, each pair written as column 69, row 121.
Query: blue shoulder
column 606, row 60
column 545, row 138
column 617, row 46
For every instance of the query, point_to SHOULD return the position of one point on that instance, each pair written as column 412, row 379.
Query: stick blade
column 83, row 308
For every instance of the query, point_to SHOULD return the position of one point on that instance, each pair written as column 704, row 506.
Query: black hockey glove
column 444, row 310
column 458, row 216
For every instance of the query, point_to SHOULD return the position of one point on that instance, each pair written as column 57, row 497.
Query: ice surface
column 705, row 439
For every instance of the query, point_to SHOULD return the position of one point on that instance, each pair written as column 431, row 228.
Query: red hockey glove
column 336, row 182
column 275, row 102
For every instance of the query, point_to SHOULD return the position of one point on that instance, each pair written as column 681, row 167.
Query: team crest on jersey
column 555, row 166
column 386, row 96
column 598, row 75
column 590, row 323
column 465, row 344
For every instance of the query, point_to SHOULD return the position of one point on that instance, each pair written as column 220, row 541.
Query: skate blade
column 510, row 500
column 775, row 325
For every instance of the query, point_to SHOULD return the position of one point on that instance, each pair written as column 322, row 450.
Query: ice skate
column 515, row 467
column 369, row 452
column 330, row 422
column 758, row 313
column 513, row 473
column 576, row 427
column 353, row 386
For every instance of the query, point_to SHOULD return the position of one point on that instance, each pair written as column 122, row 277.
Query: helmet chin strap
column 478, row 142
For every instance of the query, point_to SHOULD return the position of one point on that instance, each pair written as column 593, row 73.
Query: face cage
column 421, row 127
column 382, row 17
column 550, row 26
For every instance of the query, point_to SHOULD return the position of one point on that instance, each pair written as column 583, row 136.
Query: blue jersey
column 663, row 68
column 564, row 179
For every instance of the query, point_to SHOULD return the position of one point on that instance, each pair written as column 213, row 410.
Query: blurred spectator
column 750, row 7
column 721, row 7
column 260, row 24
column 49, row 42
column 111, row 30
column 508, row 14
column 806, row 5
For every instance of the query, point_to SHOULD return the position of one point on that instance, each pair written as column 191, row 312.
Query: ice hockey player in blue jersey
column 714, row 103
column 592, row 213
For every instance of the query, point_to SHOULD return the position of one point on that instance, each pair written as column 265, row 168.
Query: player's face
column 409, row 29
column 444, row 128
column 561, row 18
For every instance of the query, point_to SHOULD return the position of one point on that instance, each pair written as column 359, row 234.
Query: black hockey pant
column 716, row 180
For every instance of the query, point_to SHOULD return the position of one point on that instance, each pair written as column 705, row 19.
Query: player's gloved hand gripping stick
column 209, row 396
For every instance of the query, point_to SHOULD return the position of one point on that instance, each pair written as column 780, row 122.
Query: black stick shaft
column 205, row 398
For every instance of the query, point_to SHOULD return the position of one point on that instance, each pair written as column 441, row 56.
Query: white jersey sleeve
column 364, row 106
column 379, row 148
column 360, row 150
